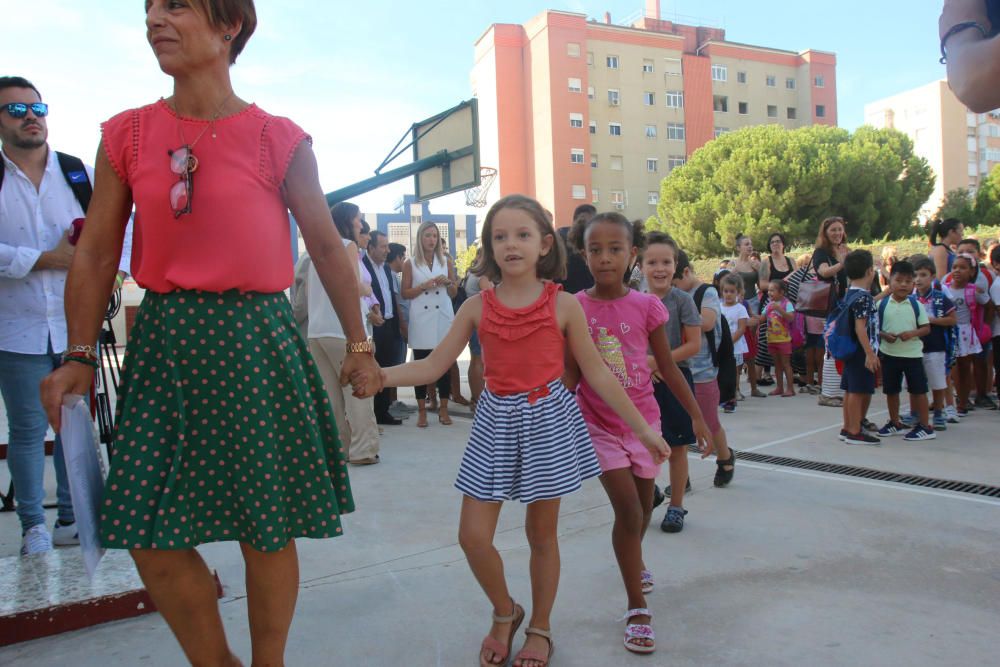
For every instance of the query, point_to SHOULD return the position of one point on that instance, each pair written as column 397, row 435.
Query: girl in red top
column 528, row 441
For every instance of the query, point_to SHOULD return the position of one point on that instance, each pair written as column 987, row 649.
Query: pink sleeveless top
column 237, row 235
column 522, row 347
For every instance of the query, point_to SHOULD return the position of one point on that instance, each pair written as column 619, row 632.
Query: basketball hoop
column 477, row 196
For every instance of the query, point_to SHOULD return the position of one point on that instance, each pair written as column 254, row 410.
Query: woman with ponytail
column 945, row 234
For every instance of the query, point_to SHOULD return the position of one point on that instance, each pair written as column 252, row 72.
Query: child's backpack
column 838, row 334
column 797, row 328
column 983, row 330
column 722, row 351
column 914, row 303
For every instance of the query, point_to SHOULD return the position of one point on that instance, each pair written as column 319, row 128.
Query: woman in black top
column 831, row 250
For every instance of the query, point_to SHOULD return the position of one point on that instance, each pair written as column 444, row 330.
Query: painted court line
column 868, row 482
column 802, row 435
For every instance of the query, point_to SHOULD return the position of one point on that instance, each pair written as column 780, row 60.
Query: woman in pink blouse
column 224, row 430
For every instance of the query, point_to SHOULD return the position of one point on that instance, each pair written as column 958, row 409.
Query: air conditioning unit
column 620, row 206
column 614, row 103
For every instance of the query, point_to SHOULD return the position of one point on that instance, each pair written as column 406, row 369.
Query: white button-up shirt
column 31, row 222
column 383, row 284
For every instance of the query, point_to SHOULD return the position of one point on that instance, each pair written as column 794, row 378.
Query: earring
column 228, row 38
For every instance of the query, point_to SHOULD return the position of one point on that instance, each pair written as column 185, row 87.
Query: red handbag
column 816, row 297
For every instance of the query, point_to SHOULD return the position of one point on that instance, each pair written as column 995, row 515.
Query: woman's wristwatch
column 363, row 347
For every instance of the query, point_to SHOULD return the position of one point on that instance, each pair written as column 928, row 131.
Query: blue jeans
column 20, row 377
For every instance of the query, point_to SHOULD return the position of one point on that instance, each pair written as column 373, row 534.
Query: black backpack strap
column 699, row 295
column 76, row 177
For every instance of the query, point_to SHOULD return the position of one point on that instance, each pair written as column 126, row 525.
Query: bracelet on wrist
column 82, row 360
column 954, row 30
column 88, row 351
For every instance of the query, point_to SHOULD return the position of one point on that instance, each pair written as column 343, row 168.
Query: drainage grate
column 870, row 473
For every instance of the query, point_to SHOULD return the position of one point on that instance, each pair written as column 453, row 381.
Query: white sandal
column 647, row 582
column 639, row 631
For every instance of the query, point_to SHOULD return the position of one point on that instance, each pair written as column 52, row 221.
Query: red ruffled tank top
column 522, row 347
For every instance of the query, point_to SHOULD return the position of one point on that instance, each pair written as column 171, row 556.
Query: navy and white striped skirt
column 527, row 447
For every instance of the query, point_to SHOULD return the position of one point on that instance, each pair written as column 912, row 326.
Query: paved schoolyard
column 784, row 567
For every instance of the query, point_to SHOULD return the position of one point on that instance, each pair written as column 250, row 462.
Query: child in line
column 968, row 310
column 739, row 320
column 858, row 379
column 525, row 326
column 780, row 314
column 982, row 366
column 704, row 365
column 684, row 333
column 902, row 322
column 995, row 297
column 624, row 324
column 941, row 315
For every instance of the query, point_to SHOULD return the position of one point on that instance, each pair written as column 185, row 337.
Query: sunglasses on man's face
column 20, row 109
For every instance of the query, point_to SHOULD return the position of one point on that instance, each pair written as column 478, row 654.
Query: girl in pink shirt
column 624, row 325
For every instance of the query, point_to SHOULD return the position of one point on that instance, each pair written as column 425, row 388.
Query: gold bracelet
column 362, row 347
column 89, row 351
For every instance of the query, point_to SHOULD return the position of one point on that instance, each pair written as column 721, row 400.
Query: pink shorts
column 624, row 451
column 779, row 348
column 707, row 396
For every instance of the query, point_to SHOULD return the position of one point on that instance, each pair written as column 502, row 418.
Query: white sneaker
column 36, row 541
column 65, row 535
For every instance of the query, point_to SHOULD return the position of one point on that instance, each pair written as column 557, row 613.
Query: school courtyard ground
column 792, row 564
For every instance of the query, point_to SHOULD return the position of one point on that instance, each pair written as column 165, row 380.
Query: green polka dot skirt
column 224, row 429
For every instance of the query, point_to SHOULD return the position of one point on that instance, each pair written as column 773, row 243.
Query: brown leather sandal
column 499, row 649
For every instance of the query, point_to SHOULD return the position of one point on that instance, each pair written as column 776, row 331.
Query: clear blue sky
column 356, row 75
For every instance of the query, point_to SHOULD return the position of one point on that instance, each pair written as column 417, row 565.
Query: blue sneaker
column 673, row 522
column 940, row 421
column 919, row 433
column 891, row 429
column 909, row 420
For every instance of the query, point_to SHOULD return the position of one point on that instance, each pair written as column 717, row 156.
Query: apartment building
column 574, row 110
column 961, row 147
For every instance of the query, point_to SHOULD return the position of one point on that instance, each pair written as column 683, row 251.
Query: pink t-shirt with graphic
column 620, row 330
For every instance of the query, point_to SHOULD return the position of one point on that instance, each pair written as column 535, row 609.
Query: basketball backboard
column 455, row 132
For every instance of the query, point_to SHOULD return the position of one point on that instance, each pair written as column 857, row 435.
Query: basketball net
column 477, row 196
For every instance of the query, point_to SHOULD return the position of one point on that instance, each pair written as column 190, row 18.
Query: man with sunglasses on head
column 37, row 209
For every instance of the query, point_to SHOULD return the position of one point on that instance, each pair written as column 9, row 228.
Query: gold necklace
column 211, row 124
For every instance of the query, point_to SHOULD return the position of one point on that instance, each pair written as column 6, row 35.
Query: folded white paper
column 86, row 477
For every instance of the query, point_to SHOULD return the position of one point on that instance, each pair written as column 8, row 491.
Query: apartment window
column 675, row 99
column 593, row 126
column 649, row 99
column 652, row 165
column 616, row 163
column 819, row 81
column 650, row 131
column 675, row 131
column 576, row 120
column 595, row 195
column 612, row 62
column 790, row 83
column 615, row 129
column 672, row 67
column 772, row 111
column 647, row 66
column 618, row 199
column 675, row 161
column 741, row 77
column 576, row 155
column 772, row 81
column 575, row 85
column 593, row 160
column 821, row 111
column 579, row 192
column 652, row 198
column 720, row 73
column 792, row 113
column 590, row 92
column 719, row 131
column 720, row 103
column 614, row 99
column 744, row 108
column 590, row 58
column 573, row 49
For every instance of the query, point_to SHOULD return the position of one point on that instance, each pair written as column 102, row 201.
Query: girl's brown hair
column 821, row 240
column 551, row 266
column 229, row 13
column 733, row 281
